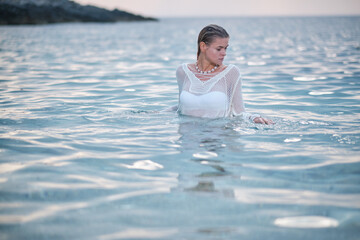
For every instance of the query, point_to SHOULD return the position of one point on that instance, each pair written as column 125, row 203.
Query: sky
column 223, row 8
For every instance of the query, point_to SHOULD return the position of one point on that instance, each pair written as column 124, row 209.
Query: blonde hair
column 209, row 33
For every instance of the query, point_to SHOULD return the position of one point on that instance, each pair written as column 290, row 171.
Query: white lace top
column 212, row 95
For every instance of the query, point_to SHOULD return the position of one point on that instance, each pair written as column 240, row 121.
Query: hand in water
column 263, row 121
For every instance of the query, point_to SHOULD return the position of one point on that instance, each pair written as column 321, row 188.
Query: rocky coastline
column 15, row 12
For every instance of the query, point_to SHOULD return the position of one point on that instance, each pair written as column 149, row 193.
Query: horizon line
column 261, row 16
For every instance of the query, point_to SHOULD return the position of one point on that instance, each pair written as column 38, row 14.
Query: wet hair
column 209, row 33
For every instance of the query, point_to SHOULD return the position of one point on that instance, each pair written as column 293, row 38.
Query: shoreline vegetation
column 17, row 12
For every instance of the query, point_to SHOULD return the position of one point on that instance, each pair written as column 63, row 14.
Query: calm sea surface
column 86, row 151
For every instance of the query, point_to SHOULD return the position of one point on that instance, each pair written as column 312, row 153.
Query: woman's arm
column 237, row 102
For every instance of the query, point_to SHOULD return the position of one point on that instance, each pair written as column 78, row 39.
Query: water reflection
column 207, row 138
column 49, row 210
column 215, row 145
column 139, row 233
column 207, row 142
column 81, row 146
column 306, row 222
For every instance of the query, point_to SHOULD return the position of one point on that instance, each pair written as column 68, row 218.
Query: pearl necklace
column 205, row 72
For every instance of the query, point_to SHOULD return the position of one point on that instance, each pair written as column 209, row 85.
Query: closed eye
column 219, row 49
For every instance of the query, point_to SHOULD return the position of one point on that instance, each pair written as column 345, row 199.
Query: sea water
column 87, row 151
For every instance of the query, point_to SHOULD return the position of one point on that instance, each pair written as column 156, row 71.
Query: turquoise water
column 87, row 152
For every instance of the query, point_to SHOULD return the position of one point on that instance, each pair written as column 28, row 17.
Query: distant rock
column 59, row 11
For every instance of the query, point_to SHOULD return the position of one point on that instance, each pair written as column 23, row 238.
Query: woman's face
column 215, row 52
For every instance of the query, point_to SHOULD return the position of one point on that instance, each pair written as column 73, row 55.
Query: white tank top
column 211, row 105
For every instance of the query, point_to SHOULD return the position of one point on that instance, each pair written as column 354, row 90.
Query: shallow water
column 87, row 152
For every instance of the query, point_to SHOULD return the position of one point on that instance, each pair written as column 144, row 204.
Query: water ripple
column 306, row 222
column 86, row 150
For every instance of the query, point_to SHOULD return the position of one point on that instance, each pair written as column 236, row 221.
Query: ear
column 203, row 46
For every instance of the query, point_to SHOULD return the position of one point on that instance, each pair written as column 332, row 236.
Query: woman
column 208, row 88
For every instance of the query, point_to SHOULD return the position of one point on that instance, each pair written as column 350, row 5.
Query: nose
column 223, row 52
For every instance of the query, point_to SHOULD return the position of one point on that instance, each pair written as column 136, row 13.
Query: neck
column 205, row 71
column 205, row 65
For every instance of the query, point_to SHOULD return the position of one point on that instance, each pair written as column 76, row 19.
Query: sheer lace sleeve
column 237, row 102
column 180, row 77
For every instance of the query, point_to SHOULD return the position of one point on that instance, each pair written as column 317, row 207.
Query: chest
column 211, row 100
